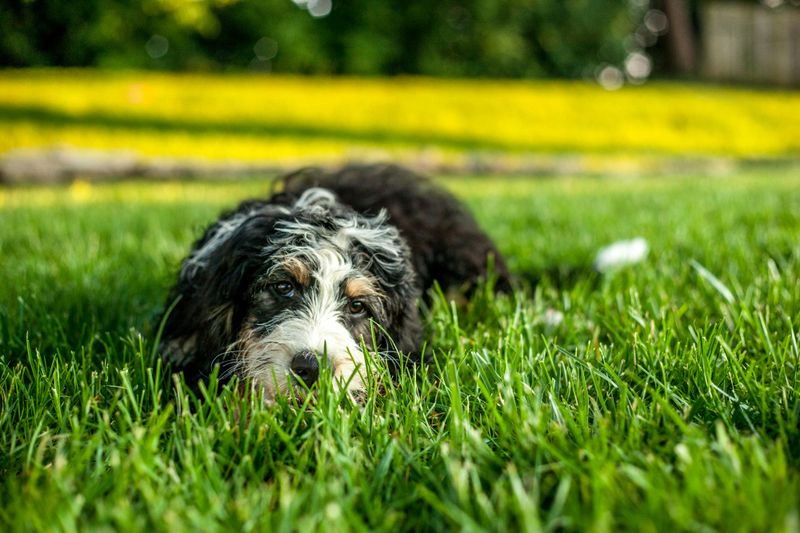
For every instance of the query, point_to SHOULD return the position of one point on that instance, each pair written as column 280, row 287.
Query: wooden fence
column 751, row 43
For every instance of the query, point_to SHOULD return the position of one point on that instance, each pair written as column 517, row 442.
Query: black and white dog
column 332, row 263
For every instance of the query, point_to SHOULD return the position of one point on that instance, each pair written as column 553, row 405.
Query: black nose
column 306, row 367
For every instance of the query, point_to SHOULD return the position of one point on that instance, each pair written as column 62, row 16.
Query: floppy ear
column 403, row 324
column 205, row 307
column 389, row 259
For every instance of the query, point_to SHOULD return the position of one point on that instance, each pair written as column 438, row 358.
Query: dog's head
column 274, row 291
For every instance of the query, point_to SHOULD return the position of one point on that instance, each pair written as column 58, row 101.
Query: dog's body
column 275, row 284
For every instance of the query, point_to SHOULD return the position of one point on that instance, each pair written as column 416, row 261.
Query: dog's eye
column 284, row 289
column 356, row 307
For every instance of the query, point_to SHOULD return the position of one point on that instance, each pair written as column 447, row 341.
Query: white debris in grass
column 682, row 452
column 552, row 317
column 621, row 253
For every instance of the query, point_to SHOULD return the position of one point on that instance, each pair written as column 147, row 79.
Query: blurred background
column 170, row 88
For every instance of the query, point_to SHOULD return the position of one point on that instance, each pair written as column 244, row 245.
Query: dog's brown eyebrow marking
column 361, row 287
column 298, row 270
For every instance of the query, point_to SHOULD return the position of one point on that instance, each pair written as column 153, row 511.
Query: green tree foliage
column 511, row 38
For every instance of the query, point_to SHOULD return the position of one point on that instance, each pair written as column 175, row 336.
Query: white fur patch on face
column 315, row 322
column 317, row 326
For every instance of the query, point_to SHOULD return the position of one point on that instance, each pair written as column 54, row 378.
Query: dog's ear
column 207, row 304
column 403, row 325
column 389, row 260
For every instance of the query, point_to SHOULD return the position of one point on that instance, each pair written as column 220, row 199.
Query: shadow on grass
column 560, row 277
column 76, row 318
column 51, row 117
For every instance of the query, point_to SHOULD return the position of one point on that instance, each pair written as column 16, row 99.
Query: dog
column 330, row 264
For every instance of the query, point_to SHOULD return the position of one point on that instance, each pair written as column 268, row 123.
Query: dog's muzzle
column 305, row 367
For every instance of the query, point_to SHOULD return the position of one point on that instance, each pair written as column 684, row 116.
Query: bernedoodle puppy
column 331, row 264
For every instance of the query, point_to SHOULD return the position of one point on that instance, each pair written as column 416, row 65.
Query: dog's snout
column 306, row 367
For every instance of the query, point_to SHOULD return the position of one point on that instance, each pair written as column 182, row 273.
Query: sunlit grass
column 667, row 399
column 275, row 117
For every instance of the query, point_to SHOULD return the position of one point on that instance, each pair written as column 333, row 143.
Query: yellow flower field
column 251, row 117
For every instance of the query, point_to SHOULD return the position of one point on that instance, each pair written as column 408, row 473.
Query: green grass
column 661, row 401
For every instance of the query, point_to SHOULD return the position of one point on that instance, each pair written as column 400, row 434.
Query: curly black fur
column 446, row 243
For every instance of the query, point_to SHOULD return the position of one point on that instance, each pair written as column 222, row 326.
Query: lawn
column 286, row 119
column 667, row 398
